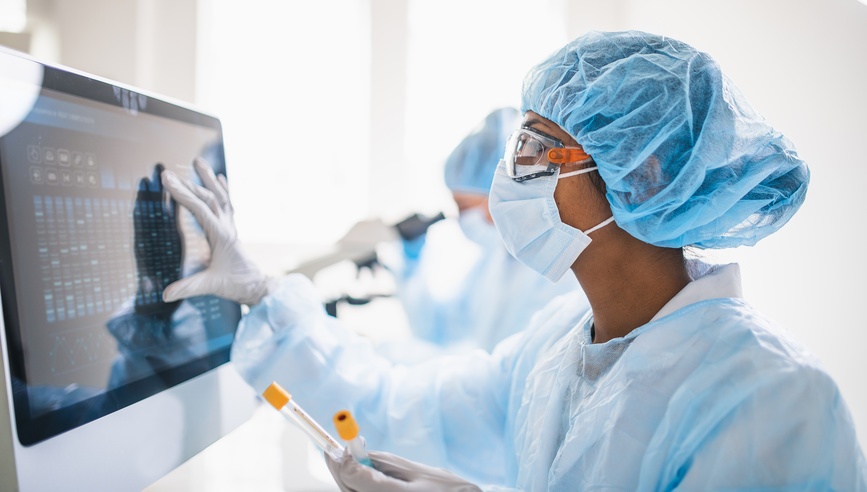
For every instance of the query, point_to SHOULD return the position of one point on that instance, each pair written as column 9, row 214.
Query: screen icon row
column 63, row 157
column 40, row 175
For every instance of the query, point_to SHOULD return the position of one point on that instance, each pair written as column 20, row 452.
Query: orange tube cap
column 276, row 396
column 345, row 425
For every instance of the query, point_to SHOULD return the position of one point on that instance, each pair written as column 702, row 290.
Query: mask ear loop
column 582, row 171
column 600, row 226
column 576, row 173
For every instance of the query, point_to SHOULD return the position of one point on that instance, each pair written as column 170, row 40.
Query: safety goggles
column 531, row 154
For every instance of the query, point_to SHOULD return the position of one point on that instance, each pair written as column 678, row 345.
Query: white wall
column 465, row 59
column 389, row 32
column 390, row 87
column 291, row 82
column 147, row 43
column 803, row 65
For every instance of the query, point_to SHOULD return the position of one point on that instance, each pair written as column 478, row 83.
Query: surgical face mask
column 529, row 223
column 477, row 228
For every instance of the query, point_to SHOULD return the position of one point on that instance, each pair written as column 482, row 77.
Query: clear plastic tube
column 313, row 430
column 356, row 449
column 280, row 399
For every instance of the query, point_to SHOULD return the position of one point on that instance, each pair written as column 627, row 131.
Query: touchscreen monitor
column 89, row 239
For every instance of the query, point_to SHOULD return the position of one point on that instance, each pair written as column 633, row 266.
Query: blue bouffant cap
column 685, row 159
column 470, row 167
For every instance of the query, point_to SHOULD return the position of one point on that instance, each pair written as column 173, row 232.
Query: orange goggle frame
column 566, row 155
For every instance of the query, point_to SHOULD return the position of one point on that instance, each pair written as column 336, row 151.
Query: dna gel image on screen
column 88, row 242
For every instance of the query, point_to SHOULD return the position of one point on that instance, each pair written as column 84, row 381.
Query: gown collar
column 709, row 282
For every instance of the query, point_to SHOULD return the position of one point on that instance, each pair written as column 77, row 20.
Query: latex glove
column 160, row 236
column 393, row 474
column 230, row 274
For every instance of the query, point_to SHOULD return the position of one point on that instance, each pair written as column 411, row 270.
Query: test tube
column 281, row 399
column 348, row 431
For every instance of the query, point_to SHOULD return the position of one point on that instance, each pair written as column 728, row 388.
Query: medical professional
column 458, row 285
column 633, row 146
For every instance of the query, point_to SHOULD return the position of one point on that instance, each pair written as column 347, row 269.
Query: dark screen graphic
column 92, row 239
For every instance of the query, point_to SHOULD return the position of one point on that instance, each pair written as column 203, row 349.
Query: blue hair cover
column 685, row 159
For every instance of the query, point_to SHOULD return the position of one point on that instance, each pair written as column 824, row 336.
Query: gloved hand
column 230, row 274
column 393, row 474
column 156, row 234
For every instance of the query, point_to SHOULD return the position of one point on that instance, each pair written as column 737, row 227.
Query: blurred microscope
column 359, row 248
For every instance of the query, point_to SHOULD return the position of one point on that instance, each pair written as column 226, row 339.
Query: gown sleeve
column 789, row 431
column 448, row 412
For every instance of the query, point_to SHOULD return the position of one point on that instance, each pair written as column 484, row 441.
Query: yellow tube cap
column 276, row 396
column 346, row 426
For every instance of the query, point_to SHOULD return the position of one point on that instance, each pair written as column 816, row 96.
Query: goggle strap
column 576, row 173
column 600, row 226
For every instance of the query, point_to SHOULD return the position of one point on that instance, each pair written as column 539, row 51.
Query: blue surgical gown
column 710, row 396
column 461, row 294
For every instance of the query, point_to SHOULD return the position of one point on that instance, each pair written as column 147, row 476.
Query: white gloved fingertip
column 168, row 297
column 180, row 289
column 169, row 177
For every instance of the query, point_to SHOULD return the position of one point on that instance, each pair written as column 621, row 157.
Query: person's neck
column 627, row 282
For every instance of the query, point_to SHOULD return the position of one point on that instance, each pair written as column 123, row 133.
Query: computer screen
column 88, row 241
